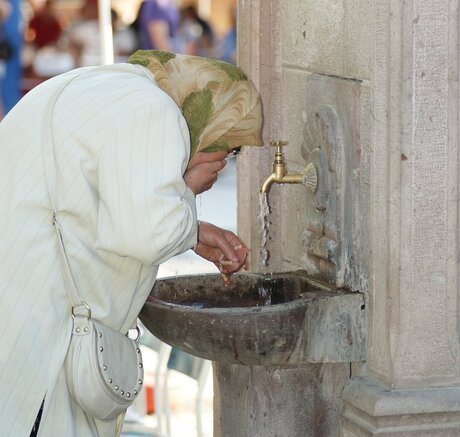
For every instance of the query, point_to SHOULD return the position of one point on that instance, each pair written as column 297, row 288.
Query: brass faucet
column 309, row 177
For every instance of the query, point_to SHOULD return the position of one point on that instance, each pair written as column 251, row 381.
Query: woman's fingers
column 202, row 157
column 202, row 170
column 218, row 238
column 222, row 247
column 242, row 253
column 202, row 177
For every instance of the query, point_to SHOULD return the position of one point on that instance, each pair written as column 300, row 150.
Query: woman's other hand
column 221, row 247
column 202, row 170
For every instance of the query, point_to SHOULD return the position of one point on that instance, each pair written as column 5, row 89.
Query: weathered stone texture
column 401, row 121
column 358, row 38
column 329, row 37
column 276, row 402
column 373, row 410
column 313, row 35
column 321, row 231
column 413, row 337
column 260, row 55
column 426, row 244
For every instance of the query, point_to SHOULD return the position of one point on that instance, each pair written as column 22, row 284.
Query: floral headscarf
column 221, row 106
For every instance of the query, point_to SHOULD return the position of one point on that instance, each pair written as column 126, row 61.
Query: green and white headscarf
column 220, row 104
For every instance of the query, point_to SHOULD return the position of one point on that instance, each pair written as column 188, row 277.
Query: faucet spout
column 286, row 179
column 267, row 184
column 279, row 176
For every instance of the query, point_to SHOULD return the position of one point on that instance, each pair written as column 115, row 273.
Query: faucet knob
column 278, row 144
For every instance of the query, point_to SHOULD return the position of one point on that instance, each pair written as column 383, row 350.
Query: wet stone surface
column 207, row 291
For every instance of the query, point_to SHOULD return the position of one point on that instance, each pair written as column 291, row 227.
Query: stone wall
column 368, row 91
column 413, row 367
column 311, row 62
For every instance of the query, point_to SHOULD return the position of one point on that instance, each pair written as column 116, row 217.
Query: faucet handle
column 278, row 144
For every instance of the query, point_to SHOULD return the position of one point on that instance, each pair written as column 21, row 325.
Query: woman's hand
column 202, row 170
column 221, row 247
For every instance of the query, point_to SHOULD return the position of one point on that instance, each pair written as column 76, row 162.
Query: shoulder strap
column 79, row 307
column 49, row 162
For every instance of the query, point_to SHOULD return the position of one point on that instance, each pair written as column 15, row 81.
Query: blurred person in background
column 44, row 28
column 47, row 53
column 227, row 48
column 124, row 38
column 84, row 39
column 5, row 47
column 158, row 21
column 10, row 77
column 195, row 35
column 83, row 36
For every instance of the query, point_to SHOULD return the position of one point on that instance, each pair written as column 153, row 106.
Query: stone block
column 313, row 35
column 374, row 410
column 358, row 41
column 321, row 231
column 253, row 401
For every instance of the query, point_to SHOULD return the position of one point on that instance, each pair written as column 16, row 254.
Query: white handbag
column 104, row 369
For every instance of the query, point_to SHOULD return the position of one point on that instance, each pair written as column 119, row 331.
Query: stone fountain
column 281, row 343
column 279, row 322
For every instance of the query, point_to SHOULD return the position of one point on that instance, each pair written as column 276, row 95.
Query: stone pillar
column 259, row 54
column 254, row 401
column 271, row 35
column 410, row 386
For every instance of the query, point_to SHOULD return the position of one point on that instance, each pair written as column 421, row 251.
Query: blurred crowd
column 42, row 38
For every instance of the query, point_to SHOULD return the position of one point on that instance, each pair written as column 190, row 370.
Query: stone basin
column 262, row 320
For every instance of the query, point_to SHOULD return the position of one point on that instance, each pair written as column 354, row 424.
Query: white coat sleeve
column 146, row 211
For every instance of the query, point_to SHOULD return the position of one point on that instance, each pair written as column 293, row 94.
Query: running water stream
column 264, row 214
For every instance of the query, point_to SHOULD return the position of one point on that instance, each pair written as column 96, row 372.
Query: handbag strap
column 79, row 307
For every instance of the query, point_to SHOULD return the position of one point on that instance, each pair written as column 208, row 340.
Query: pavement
column 217, row 206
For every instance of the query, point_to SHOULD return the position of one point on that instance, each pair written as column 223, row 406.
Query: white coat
column 121, row 147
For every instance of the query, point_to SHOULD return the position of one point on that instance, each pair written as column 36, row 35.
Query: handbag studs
column 117, row 388
column 122, row 392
